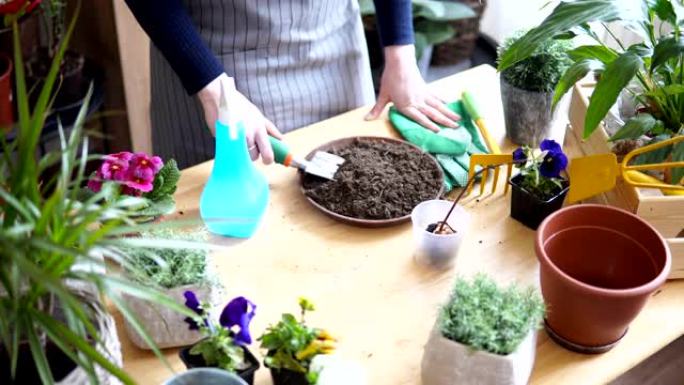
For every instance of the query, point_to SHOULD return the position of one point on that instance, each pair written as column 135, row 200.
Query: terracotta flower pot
column 598, row 267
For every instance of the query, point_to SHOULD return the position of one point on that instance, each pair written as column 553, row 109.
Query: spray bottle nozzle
column 224, row 115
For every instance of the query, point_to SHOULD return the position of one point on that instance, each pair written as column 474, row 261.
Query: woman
column 288, row 63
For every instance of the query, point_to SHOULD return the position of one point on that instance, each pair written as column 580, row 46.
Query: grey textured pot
column 446, row 362
column 528, row 115
column 166, row 327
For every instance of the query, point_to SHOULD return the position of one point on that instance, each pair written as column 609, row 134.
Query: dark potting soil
column 379, row 180
column 434, row 228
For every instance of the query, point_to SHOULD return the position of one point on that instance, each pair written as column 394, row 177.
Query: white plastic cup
column 437, row 250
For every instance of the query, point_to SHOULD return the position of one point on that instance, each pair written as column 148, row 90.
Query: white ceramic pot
column 446, row 362
column 166, row 327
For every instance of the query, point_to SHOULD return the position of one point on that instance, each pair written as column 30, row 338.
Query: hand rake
column 485, row 161
column 592, row 175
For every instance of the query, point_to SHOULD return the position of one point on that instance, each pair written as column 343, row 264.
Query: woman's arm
column 170, row 28
column 401, row 81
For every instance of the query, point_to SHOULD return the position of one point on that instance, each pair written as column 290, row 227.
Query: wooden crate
column 665, row 213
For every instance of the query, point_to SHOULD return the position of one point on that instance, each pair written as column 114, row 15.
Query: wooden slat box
column 665, row 213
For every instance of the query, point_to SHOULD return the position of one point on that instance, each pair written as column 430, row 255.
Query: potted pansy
column 292, row 346
column 139, row 175
column 539, row 189
column 221, row 347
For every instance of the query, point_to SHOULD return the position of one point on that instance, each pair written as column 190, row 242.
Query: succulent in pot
column 174, row 271
column 651, row 69
column 484, row 334
column 527, row 91
column 539, row 189
column 221, row 347
column 291, row 347
column 598, row 267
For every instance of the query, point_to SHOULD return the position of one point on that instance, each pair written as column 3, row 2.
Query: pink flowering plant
column 139, row 175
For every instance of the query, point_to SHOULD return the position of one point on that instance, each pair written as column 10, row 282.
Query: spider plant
column 652, row 70
column 47, row 236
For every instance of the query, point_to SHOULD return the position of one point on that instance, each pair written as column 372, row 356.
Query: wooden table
column 365, row 283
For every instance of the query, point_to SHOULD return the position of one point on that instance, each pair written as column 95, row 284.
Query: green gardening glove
column 451, row 147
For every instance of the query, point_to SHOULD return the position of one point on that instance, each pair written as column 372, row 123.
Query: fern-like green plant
column 486, row 317
column 169, row 268
column 542, row 70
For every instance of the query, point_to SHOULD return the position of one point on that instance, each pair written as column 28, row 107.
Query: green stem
column 613, row 36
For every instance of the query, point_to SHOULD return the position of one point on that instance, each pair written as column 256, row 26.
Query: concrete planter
column 166, row 327
column 446, row 362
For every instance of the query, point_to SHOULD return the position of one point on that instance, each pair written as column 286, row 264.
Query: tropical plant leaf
column 573, row 74
column 667, row 49
column 598, row 52
column 434, row 32
column 664, row 10
column 635, row 127
column 441, row 10
column 657, row 156
column 615, row 78
column 678, row 156
column 37, row 351
column 565, row 17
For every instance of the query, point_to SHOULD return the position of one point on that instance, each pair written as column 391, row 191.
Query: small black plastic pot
column 288, row 377
column 529, row 210
column 196, row 361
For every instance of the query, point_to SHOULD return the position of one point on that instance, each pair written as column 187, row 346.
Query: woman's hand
column 403, row 85
column 257, row 127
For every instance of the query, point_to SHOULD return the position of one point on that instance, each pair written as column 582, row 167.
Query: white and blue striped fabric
column 299, row 61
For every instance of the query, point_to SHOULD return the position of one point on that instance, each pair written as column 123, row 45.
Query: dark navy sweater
column 172, row 31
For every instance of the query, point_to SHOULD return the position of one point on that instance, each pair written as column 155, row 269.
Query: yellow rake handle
column 629, row 177
column 491, row 143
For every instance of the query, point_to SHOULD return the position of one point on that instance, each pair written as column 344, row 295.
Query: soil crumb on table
column 379, row 180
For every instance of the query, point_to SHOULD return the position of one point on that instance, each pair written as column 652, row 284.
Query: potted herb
column 527, row 90
column 292, row 345
column 650, row 70
column 174, row 271
column 139, row 175
column 431, row 25
column 539, row 189
column 55, row 327
column 221, row 347
column 485, row 334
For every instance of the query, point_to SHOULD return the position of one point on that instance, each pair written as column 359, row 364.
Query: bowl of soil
column 379, row 184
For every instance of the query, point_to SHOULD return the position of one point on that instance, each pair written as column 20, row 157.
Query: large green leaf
column 441, row 10
column 678, row 156
column 614, row 79
column 657, row 156
column 635, row 127
column 598, row 52
column 573, row 74
column 664, row 10
column 366, row 7
column 434, row 32
column 565, row 17
column 667, row 49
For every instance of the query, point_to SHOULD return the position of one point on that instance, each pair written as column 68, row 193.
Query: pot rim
column 536, row 198
column 459, row 211
column 647, row 287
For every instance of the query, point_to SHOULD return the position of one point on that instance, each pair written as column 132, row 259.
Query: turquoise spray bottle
column 236, row 194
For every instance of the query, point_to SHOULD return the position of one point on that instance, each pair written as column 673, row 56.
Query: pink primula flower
column 95, row 183
column 135, row 171
column 144, row 161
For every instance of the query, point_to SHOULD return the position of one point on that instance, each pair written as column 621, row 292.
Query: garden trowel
column 592, row 175
column 322, row 164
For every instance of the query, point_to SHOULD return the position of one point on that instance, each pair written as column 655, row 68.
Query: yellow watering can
column 592, row 175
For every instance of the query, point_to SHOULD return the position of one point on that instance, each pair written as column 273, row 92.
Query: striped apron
column 299, row 61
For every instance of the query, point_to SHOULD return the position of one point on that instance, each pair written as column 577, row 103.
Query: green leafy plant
column 291, row 344
column 169, row 268
column 542, row 70
column 486, row 317
column 50, row 241
column 652, row 71
column 431, row 20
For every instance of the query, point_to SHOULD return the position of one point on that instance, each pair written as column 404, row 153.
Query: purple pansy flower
column 554, row 162
column 550, row 145
column 192, row 303
column 239, row 312
column 519, row 156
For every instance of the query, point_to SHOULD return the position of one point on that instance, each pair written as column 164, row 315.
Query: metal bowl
column 371, row 223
